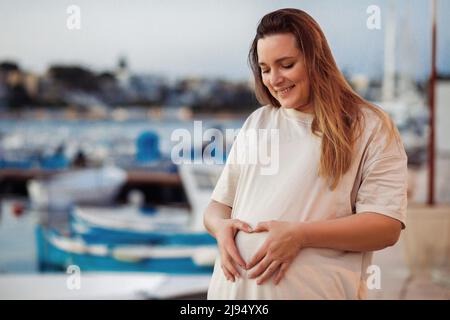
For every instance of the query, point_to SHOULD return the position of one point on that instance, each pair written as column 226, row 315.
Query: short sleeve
column 225, row 189
column 383, row 187
column 227, row 184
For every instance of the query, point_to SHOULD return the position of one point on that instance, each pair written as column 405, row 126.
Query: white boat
column 198, row 182
column 61, row 191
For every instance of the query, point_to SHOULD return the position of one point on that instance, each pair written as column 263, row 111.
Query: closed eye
column 284, row 67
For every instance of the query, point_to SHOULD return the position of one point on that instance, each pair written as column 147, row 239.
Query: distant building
column 122, row 72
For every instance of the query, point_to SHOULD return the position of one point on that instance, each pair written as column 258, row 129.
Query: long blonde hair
column 338, row 118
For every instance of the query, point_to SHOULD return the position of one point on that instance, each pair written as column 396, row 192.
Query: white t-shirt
column 288, row 188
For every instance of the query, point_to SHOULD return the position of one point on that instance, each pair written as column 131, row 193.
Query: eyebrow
column 276, row 61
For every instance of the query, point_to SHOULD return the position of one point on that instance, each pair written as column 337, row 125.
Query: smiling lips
column 283, row 92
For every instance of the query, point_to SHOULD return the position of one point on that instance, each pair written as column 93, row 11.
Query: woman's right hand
column 229, row 254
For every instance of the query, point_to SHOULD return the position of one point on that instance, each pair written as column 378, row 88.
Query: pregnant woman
column 307, row 229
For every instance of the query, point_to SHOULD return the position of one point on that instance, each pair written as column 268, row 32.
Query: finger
column 231, row 276
column 232, row 270
column 270, row 271
column 260, row 268
column 228, row 263
column 281, row 273
column 260, row 254
column 262, row 226
column 227, row 273
column 234, row 253
column 241, row 225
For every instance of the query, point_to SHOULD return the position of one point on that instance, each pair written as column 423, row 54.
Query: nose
column 276, row 78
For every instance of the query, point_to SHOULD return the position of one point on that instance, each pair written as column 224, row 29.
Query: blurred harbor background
column 87, row 118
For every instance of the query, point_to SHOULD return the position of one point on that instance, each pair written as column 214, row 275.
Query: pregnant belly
column 249, row 243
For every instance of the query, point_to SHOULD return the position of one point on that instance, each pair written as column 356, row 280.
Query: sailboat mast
column 388, row 88
column 431, row 143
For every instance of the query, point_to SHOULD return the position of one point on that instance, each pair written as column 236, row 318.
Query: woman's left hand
column 282, row 245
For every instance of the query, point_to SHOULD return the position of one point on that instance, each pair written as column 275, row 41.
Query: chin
column 288, row 105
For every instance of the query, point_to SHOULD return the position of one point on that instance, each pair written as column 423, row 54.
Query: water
column 99, row 140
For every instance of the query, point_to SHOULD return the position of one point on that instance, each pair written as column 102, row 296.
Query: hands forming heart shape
column 283, row 243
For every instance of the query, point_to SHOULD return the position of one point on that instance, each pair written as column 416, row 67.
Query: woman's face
column 283, row 70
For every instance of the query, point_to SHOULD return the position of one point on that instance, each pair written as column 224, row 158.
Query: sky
column 178, row 38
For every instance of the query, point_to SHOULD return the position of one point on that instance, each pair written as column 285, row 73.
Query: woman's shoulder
column 379, row 130
column 260, row 116
column 375, row 120
column 263, row 112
